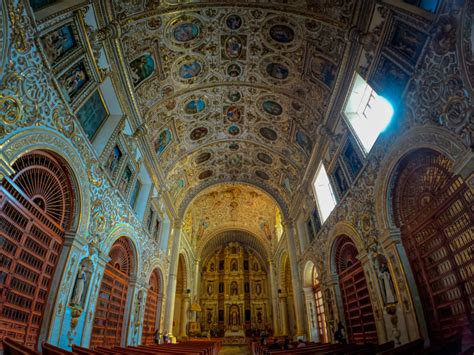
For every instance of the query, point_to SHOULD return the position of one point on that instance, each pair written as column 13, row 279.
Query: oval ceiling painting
column 277, row 71
column 264, row 157
column 234, row 22
column 205, row 174
column 233, row 130
column 268, row 133
column 282, row 33
column 234, row 95
column 190, row 69
column 198, row 133
column 272, row 108
column 203, row 157
column 233, row 47
column 185, row 32
column 194, row 106
column 262, row 175
column 233, row 113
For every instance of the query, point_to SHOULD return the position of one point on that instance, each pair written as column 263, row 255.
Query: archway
column 107, row 329
column 434, row 211
column 152, row 308
column 314, row 304
column 287, row 304
column 358, row 312
column 180, row 317
column 37, row 207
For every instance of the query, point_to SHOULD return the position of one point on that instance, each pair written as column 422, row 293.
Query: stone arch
column 435, row 138
column 125, row 230
column 308, row 274
column 48, row 140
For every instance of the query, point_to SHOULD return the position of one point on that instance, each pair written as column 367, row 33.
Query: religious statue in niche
column 139, row 309
column 259, row 317
column 209, row 289
column 81, row 284
column 255, row 266
column 385, row 280
column 234, row 289
column 233, row 265
column 212, row 267
column 258, row 289
column 209, row 317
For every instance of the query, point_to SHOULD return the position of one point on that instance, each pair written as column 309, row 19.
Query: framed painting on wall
column 406, row 41
column 60, row 42
column 92, row 114
column 74, row 79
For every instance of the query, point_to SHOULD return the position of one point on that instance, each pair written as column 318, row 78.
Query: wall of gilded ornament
column 35, row 116
column 435, row 112
column 223, row 105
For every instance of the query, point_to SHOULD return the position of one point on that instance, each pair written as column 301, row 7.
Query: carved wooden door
column 151, row 309
column 111, row 302
column 358, row 310
column 435, row 212
column 35, row 208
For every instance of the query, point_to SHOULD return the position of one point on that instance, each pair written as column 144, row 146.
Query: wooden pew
column 82, row 351
column 49, row 349
column 11, row 347
column 411, row 348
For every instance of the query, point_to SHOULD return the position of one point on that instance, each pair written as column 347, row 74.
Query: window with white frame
column 367, row 112
column 324, row 193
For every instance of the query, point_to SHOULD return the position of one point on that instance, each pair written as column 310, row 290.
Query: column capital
column 288, row 223
column 177, row 223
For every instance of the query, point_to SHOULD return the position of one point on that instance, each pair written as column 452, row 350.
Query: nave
column 254, row 177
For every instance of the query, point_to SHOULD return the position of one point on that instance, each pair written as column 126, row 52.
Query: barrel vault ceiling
column 234, row 91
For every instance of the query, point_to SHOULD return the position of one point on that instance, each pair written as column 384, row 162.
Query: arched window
column 111, row 302
column 358, row 311
column 36, row 208
column 435, row 213
column 151, row 309
column 318, row 300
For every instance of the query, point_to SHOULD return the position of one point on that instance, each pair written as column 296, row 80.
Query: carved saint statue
column 233, row 266
column 234, row 288
column 80, row 286
column 386, row 285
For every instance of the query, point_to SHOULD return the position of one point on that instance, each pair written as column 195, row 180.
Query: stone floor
column 235, row 349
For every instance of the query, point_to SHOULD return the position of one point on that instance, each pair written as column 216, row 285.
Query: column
column 297, row 289
column 185, row 307
column 284, row 314
column 173, row 271
column 311, row 315
column 274, row 296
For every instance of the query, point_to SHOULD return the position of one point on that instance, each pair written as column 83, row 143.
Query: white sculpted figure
column 80, row 286
column 386, row 284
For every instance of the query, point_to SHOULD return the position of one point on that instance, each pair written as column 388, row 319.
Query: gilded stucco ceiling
column 230, row 207
column 234, row 91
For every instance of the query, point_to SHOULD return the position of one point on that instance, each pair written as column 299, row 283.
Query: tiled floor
column 235, row 349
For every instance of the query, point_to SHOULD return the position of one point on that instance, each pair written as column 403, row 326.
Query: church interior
column 236, row 177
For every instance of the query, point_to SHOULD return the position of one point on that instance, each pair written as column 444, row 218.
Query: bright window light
column 324, row 193
column 368, row 113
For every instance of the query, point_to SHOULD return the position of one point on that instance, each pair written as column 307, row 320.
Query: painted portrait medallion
column 142, row 68
column 233, row 113
column 234, row 70
column 277, row 71
column 265, row 158
column 194, row 106
column 272, row 108
column 234, row 22
column 262, row 175
column 234, row 147
column 198, row 133
column 205, row 174
column 185, row 32
column 234, row 95
column 233, row 130
column 282, row 33
column 268, row 133
column 203, row 157
column 233, row 47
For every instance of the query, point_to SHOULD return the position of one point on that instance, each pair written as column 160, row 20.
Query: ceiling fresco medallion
column 282, row 33
column 185, row 31
column 203, row 157
column 233, row 130
column 198, row 133
column 234, row 147
column 268, row 133
column 262, row 175
column 272, row 108
column 205, row 174
column 233, row 113
column 265, row 158
column 233, row 47
column 234, row 95
column 142, row 68
column 234, row 70
column 194, row 106
column 233, row 22
column 189, row 69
